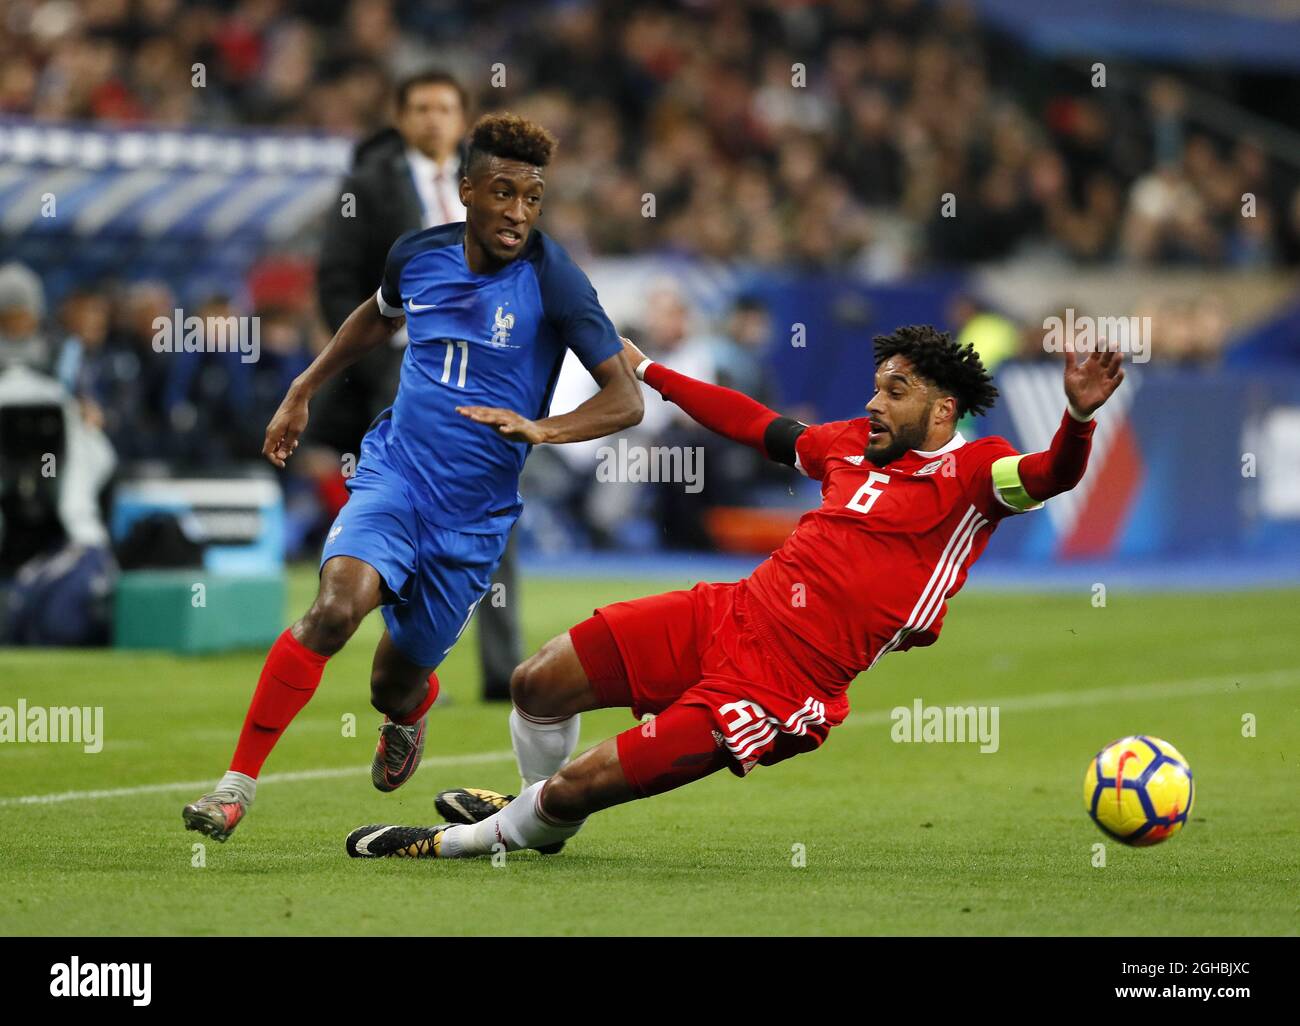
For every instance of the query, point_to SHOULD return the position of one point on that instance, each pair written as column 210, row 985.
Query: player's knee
column 568, row 795
column 535, row 686
column 527, row 687
column 329, row 623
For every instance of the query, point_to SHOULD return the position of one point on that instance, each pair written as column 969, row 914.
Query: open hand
column 509, row 424
column 1091, row 381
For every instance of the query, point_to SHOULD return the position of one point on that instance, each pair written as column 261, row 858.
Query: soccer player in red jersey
column 751, row 673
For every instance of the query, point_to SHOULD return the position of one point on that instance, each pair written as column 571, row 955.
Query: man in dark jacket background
column 403, row 177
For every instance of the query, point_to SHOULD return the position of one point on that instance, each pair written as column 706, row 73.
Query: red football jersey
column 871, row 570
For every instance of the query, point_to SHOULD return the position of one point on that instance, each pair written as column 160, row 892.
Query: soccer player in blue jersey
column 490, row 306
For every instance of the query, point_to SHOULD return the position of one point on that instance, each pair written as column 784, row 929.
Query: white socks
column 521, row 824
column 243, row 785
column 541, row 745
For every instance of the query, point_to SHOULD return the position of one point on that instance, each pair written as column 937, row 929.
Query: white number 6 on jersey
column 866, row 496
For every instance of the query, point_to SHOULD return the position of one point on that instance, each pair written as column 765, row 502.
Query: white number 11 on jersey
column 464, row 361
column 866, row 496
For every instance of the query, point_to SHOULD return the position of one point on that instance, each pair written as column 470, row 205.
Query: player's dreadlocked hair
column 938, row 358
column 510, row 137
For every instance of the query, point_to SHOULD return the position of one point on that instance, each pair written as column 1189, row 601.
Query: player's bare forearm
column 365, row 329
column 618, row 405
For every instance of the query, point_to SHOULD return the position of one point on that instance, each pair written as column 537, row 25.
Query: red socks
column 289, row 678
column 413, row 717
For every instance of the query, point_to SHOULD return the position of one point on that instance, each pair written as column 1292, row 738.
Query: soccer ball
column 1139, row 790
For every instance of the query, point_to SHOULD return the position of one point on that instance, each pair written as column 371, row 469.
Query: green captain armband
column 1007, row 485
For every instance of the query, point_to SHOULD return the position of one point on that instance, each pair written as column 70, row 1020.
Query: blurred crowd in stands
column 99, row 344
column 203, row 412
column 766, row 130
column 871, row 138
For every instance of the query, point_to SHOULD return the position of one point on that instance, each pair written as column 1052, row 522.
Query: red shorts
column 703, row 659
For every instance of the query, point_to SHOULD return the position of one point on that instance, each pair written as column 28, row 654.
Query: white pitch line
column 1017, row 703
column 1119, row 693
column 470, row 758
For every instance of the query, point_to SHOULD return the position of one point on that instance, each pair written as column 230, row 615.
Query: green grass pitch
column 897, row 838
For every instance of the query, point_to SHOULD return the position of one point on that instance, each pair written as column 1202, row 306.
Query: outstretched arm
column 1024, row 481
column 616, row 406
column 365, row 329
column 723, row 411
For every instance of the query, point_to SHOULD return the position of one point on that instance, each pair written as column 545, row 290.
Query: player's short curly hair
column 937, row 357
column 509, row 137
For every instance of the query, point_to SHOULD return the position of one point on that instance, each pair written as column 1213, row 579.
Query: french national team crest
column 502, row 327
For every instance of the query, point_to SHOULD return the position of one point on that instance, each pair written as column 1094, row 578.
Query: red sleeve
column 722, row 410
column 1005, row 482
column 813, row 446
column 1061, row 467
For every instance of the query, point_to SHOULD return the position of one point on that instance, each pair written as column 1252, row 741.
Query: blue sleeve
column 390, row 289
column 569, row 302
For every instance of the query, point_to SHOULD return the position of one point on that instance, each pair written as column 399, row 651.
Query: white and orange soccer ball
column 1139, row 790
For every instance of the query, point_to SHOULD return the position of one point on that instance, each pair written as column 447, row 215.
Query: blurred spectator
column 138, row 416
column 761, row 131
column 55, row 565
column 733, row 473
column 671, row 332
column 1166, row 218
column 740, row 351
column 22, row 308
column 83, row 362
column 994, row 336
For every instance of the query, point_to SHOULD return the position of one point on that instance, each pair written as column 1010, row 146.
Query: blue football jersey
column 479, row 340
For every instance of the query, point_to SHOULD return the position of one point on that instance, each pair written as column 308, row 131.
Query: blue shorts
column 436, row 575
